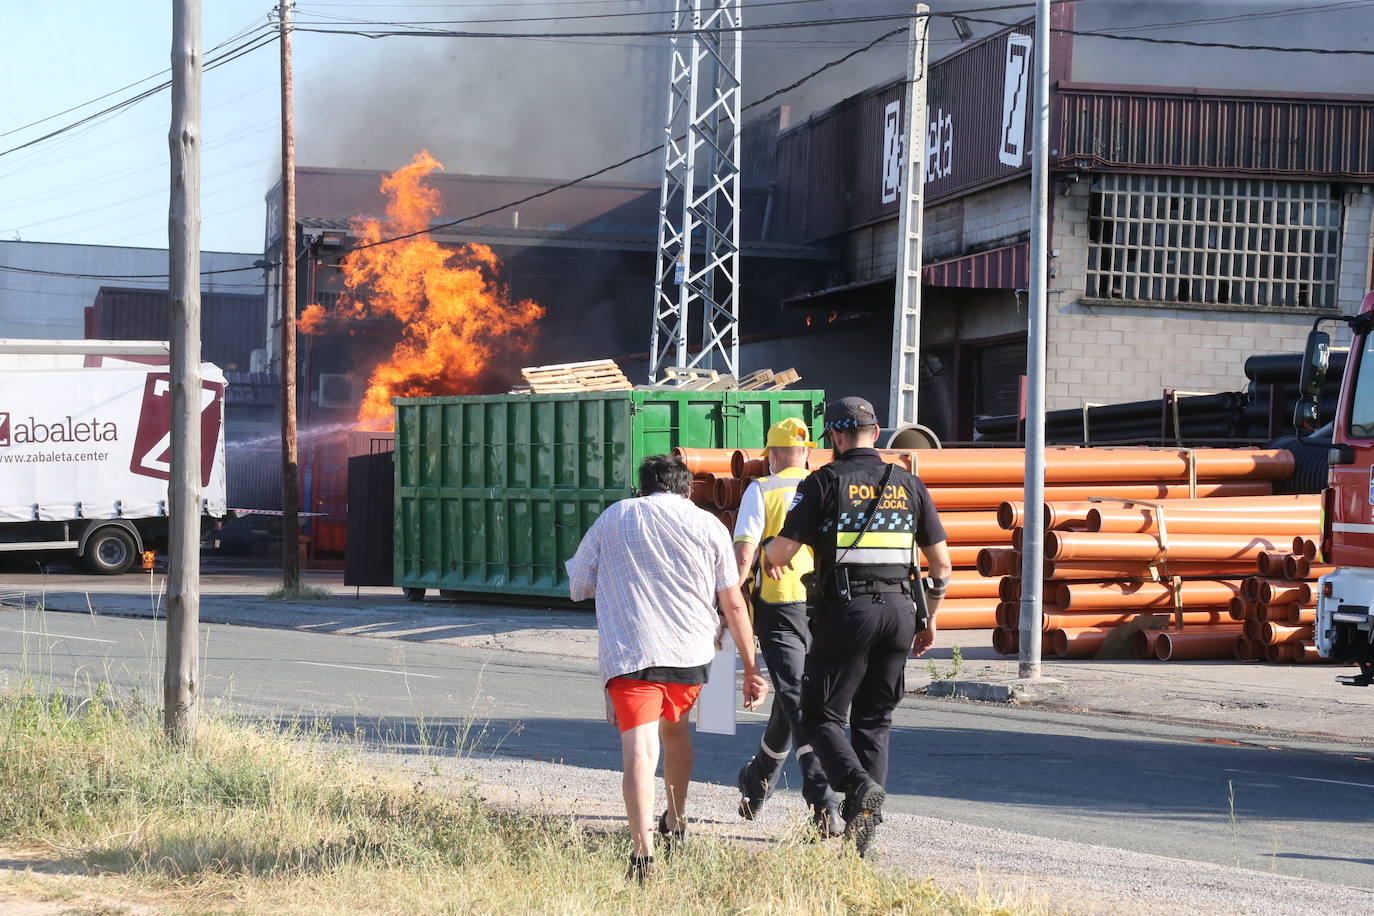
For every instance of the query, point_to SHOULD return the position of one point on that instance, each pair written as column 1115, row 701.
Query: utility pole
column 1033, row 545
column 906, row 311
column 290, row 459
column 181, row 677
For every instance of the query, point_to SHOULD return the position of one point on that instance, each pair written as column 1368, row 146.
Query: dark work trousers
column 856, row 669
column 784, row 634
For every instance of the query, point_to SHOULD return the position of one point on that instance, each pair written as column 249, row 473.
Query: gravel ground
column 1073, row 877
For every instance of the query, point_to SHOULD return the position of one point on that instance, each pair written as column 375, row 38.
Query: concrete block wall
column 1108, row 353
column 999, row 215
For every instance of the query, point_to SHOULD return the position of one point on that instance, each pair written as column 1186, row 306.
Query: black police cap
column 849, row 413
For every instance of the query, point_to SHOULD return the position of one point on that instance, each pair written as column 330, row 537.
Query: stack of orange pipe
column 1277, row 608
column 1109, row 561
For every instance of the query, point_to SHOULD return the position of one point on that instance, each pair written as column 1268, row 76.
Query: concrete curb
column 995, row 691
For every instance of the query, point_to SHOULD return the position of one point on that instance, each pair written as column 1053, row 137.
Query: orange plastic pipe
column 1284, row 591
column 975, row 497
column 1196, row 521
column 1280, row 654
column 728, row 518
column 1123, row 569
column 1248, row 650
column 953, row 618
column 1288, row 614
column 966, row 583
column 1143, row 643
column 1305, row 547
column 1192, row 593
column 1242, row 609
column 965, row 556
column 728, row 492
column 703, row 491
column 819, row 457
column 1009, row 588
column 1278, row 634
column 973, row 528
column 1101, row 465
column 998, row 561
column 1078, row 545
column 1078, row 642
column 1296, row 567
column 705, row 460
column 1055, row 619
column 1306, row 653
column 1006, row 641
column 1253, row 628
column 754, row 467
column 1195, row 644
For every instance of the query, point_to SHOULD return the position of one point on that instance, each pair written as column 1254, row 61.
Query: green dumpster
column 494, row 492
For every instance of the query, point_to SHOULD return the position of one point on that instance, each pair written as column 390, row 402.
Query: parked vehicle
column 85, row 459
column 1345, row 601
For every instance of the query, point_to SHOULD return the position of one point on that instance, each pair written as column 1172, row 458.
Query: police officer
column 783, row 628
column 863, row 518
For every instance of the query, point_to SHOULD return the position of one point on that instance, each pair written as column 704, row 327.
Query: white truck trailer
column 85, row 434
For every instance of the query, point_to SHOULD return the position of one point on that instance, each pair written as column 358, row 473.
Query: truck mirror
column 1306, row 416
column 1316, row 359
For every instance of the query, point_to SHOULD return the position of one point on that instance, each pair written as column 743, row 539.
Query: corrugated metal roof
column 1215, row 132
column 998, row 268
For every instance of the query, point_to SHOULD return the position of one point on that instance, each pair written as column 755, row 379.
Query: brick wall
column 1107, row 353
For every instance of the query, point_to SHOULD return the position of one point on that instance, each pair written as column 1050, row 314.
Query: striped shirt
column 654, row 564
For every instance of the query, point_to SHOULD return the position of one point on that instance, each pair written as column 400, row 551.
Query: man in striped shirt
column 657, row 566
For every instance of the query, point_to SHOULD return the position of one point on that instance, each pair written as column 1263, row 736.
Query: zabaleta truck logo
column 28, row 430
column 152, row 452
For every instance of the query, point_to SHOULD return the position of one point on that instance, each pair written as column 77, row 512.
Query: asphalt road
column 1296, row 807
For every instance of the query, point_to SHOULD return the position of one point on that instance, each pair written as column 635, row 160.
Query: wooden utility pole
column 290, row 459
column 181, row 678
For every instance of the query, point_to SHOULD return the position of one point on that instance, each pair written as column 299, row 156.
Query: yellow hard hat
column 788, row 433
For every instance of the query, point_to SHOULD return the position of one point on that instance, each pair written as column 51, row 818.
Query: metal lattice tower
column 697, row 277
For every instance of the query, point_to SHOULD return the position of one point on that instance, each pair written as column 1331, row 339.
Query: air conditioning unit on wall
column 336, row 390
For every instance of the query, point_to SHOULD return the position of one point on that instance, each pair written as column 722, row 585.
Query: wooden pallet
column 595, row 375
column 710, row 380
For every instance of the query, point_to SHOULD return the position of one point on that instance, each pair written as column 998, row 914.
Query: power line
column 100, row 98
column 229, row 56
column 75, row 276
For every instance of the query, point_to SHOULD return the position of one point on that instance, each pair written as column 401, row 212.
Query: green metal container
column 494, row 492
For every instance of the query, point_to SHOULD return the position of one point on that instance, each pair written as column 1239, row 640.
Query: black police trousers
column 784, row 634
column 856, row 670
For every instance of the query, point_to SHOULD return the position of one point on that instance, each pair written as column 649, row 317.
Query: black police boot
column 826, row 822
column 863, row 812
column 753, row 792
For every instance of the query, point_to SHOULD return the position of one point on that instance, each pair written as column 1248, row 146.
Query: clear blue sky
column 551, row 108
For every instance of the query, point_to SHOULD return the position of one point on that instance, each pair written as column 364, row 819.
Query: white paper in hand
column 716, row 703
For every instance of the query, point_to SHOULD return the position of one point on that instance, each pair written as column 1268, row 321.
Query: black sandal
column 641, row 869
column 671, row 837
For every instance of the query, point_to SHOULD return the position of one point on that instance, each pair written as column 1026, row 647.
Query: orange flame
column 312, row 320
column 456, row 311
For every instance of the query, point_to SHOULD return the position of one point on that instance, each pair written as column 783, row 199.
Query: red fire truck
column 1345, row 602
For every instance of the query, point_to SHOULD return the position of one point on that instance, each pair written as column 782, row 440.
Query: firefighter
column 783, row 629
column 864, row 520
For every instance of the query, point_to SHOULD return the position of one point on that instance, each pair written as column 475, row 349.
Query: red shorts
column 642, row 702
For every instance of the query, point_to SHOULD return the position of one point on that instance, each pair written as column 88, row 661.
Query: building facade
column 1190, row 228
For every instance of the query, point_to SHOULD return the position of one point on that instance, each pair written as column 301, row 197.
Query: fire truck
column 1345, row 602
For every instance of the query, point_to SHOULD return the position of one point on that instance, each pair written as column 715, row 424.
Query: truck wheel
column 109, row 552
column 414, row 594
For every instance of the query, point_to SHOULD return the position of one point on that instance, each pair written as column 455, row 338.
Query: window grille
column 1231, row 241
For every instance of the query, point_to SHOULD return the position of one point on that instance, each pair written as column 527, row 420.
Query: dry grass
column 251, row 820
